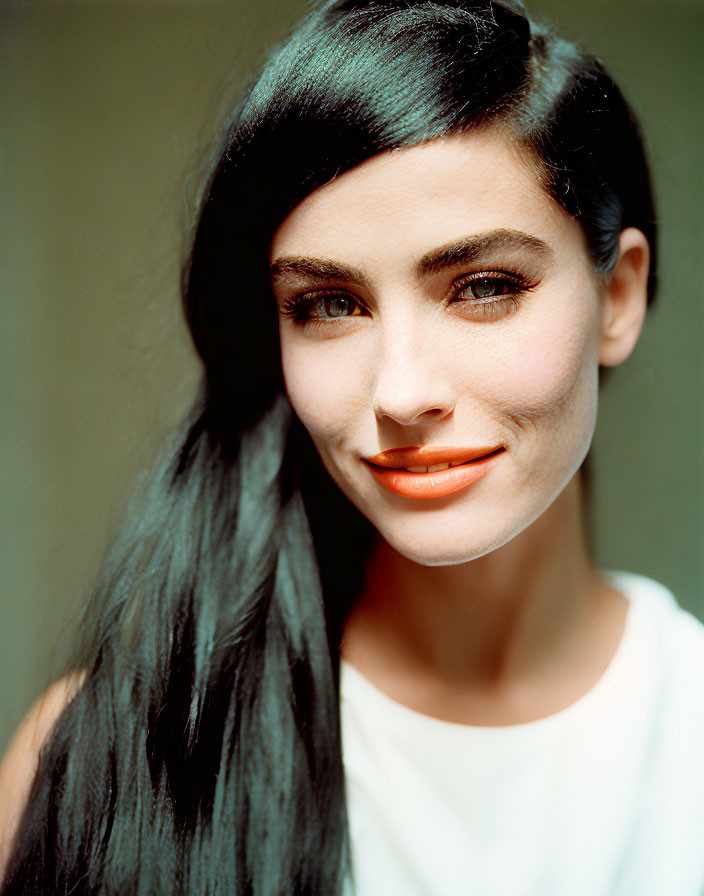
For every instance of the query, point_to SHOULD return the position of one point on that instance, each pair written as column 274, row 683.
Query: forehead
column 400, row 203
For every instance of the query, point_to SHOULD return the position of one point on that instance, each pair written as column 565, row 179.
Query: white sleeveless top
column 604, row 798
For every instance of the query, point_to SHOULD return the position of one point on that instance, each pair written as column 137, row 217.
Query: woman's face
column 450, row 303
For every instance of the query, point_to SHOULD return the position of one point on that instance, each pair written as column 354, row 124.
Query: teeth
column 430, row 469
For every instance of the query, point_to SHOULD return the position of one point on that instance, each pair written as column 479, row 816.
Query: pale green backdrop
column 107, row 112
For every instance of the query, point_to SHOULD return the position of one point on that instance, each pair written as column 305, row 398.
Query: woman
column 312, row 665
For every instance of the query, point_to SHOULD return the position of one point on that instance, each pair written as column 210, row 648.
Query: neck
column 520, row 614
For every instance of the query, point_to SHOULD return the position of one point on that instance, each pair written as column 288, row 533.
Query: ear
column 625, row 299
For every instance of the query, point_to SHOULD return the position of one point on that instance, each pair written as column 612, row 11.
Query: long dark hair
column 202, row 754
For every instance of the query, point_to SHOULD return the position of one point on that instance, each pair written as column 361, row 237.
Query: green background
column 108, row 113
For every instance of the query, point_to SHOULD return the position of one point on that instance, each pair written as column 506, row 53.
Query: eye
column 336, row 305
column 321, row 307
column 489, row 287
column 490, row 295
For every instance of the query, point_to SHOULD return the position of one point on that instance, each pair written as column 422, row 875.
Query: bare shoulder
column 20, row 762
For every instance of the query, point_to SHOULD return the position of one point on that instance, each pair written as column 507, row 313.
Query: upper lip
column 398, row 458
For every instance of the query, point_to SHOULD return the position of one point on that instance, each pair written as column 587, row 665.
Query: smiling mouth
column 424, row 481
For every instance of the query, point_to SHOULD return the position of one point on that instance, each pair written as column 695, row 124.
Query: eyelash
column 299, row 308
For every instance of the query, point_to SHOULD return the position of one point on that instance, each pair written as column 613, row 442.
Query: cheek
column 322, row 384
column 548, row 374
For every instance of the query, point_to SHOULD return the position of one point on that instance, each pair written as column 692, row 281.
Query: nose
column 410, row 385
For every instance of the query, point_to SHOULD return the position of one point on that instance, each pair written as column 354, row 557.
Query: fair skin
column 481, row 607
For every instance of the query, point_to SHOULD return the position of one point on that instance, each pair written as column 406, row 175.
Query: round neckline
column 627, row 583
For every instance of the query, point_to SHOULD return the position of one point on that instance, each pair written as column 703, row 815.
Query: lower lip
column 433, row 485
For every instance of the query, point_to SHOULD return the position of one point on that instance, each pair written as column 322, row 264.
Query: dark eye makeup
column 483, row 295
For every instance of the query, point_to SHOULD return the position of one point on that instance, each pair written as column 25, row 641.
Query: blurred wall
column 108, row 112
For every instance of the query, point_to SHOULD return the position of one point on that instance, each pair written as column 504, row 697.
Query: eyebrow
column 465, row 251
column 474, row 248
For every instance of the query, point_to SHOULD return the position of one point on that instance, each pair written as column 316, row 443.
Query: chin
column 437, row 549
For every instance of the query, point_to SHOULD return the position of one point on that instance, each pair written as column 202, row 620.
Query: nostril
column 413, row 416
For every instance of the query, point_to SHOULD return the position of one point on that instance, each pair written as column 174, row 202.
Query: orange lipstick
column 467, row 466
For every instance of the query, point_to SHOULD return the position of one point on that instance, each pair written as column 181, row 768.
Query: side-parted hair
column 203, row 755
